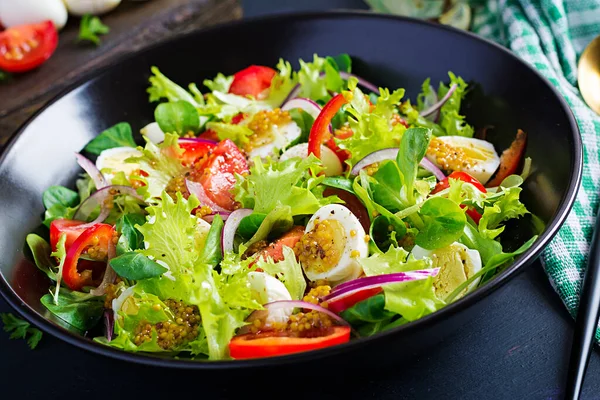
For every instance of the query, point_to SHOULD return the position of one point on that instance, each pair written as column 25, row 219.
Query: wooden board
column 134, row 25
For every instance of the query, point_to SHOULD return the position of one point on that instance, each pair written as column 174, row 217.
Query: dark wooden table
column 516, row 349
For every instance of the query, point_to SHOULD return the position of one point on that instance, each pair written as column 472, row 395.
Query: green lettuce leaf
column 282, row 84
column 60, row 195
column 276, row 222
column 412, row 300
column 444, row 222
column 40, row 250
column 292, row 182
column 162, row 87
column 237, row 133
column 178, row 117
column 161, row 164
column 288, row 271
column 81, row 310
column 450, row 119
column 221, row 83
column 506, row 207
column 119, row 135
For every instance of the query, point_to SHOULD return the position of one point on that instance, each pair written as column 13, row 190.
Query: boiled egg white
column 278, row 139
column 268, row 289
column 476, row 157
column 24, row 12
column 94, row 7
column 111, row 161
column 332, row 243
column 153, row 132
column 457, row 263
column 330, row 160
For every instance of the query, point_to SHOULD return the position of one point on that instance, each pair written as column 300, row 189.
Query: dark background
column 516, row 348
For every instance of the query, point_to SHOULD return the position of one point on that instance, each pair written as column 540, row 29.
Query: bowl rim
column 500, row 280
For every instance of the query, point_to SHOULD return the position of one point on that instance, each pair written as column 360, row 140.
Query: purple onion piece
column 277, row 305
column 431, row 167
column 197, row 189
column 109, row 324
column 196, row 140
column 437, row 106
column 211, row 217
column 231, row 226
column 92, row 171
column 356, row 285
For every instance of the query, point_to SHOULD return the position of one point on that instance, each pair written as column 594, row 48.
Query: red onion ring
column 195, row 140
column 197, row 189
column 390, row 154
column 210, row 217
column 98, row 198
column 304, row 104
column 92, row 171
column 369, row 282
column 276, row 305
column 428, row 102
column 109, row 274
column 231, row 226
column 437, row 106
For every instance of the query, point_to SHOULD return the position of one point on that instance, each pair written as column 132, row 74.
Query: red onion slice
column 109, row 324
column 440, row 103
column 378, row 280
column 109, row 274
column 429, row 102
column 197, row 189
column 224, row 215
column 304, row 104
column 390, row 154
column 99, row 197
column 92, row 170
column 361, row 81
column 231, row 226
column 282, row 304
column 196, row 140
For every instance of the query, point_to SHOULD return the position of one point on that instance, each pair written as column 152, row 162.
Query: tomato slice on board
column 79, row 273
column 216, row 173
column 25, row 47
column 510, row 159
column 343, row 303
column 462, row 176
column 193, row 150
column 252, row 80
column 69, row 227
column 266, row 344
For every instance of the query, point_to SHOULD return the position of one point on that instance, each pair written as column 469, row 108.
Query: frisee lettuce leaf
column 162, row 87
column 288, row 271
column 292, row 182
column 412, row 300
column 221, row 83
column 450, row 119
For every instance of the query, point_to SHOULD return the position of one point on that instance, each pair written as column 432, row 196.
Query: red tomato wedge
column 289, row 239
column 319, row 133
column 510, row 159
column 77, row 274
column 268, row 345
column 341, row 304
column 25, row 47
column 67, row 226
column 459, row 175
column 216, row 173
column 193, row 151
column 252, row 81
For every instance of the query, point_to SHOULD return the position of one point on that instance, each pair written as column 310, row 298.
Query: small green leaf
column 339, row 182
column 136, row 266
column 130, row 237
column 212, row 254
column 40, row 250
column 304, row 121
column 250, row 224
column 60, row 195
column 444, row 223
column 413, row 146
column 119, row 135
column 81, row 310
column 178, row 117
column 90, row 28
column 369, row 310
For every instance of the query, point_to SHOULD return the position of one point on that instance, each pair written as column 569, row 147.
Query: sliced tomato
column 289, row 239
column 268, row 345
column 252, row 81
column 341, row 304
column 462, row 176
column 79, row 273
column 193, row 151
column 25, row 47
column 353, row 204
column 216, row 173
column 69, row 227
column 319, row 133
column 474, row 214
column 510, row 159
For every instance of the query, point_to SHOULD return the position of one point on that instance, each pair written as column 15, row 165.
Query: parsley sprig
column 90, row 29
column 20, row 329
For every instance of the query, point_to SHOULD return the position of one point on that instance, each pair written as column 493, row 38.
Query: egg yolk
column 321, row 249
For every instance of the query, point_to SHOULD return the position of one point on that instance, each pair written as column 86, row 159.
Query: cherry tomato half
column 252, row 80
column 25, row 47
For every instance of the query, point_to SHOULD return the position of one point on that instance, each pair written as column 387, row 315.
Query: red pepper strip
column 510, row 159
column 319, row 132
column 267, row 345
column 462, row 176
column 474, row 214
column 96, row 236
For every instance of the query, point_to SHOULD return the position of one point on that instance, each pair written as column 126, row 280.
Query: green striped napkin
column 550, row 35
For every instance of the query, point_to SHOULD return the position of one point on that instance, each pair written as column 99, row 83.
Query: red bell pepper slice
column 97, row 236
column 319, row 133
column 510, row 159
column 267, row 344
column 462, row 176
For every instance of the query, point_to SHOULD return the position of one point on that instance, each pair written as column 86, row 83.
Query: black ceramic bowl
column 389, row 51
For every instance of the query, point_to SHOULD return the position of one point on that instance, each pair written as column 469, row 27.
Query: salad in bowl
column 278, row 211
